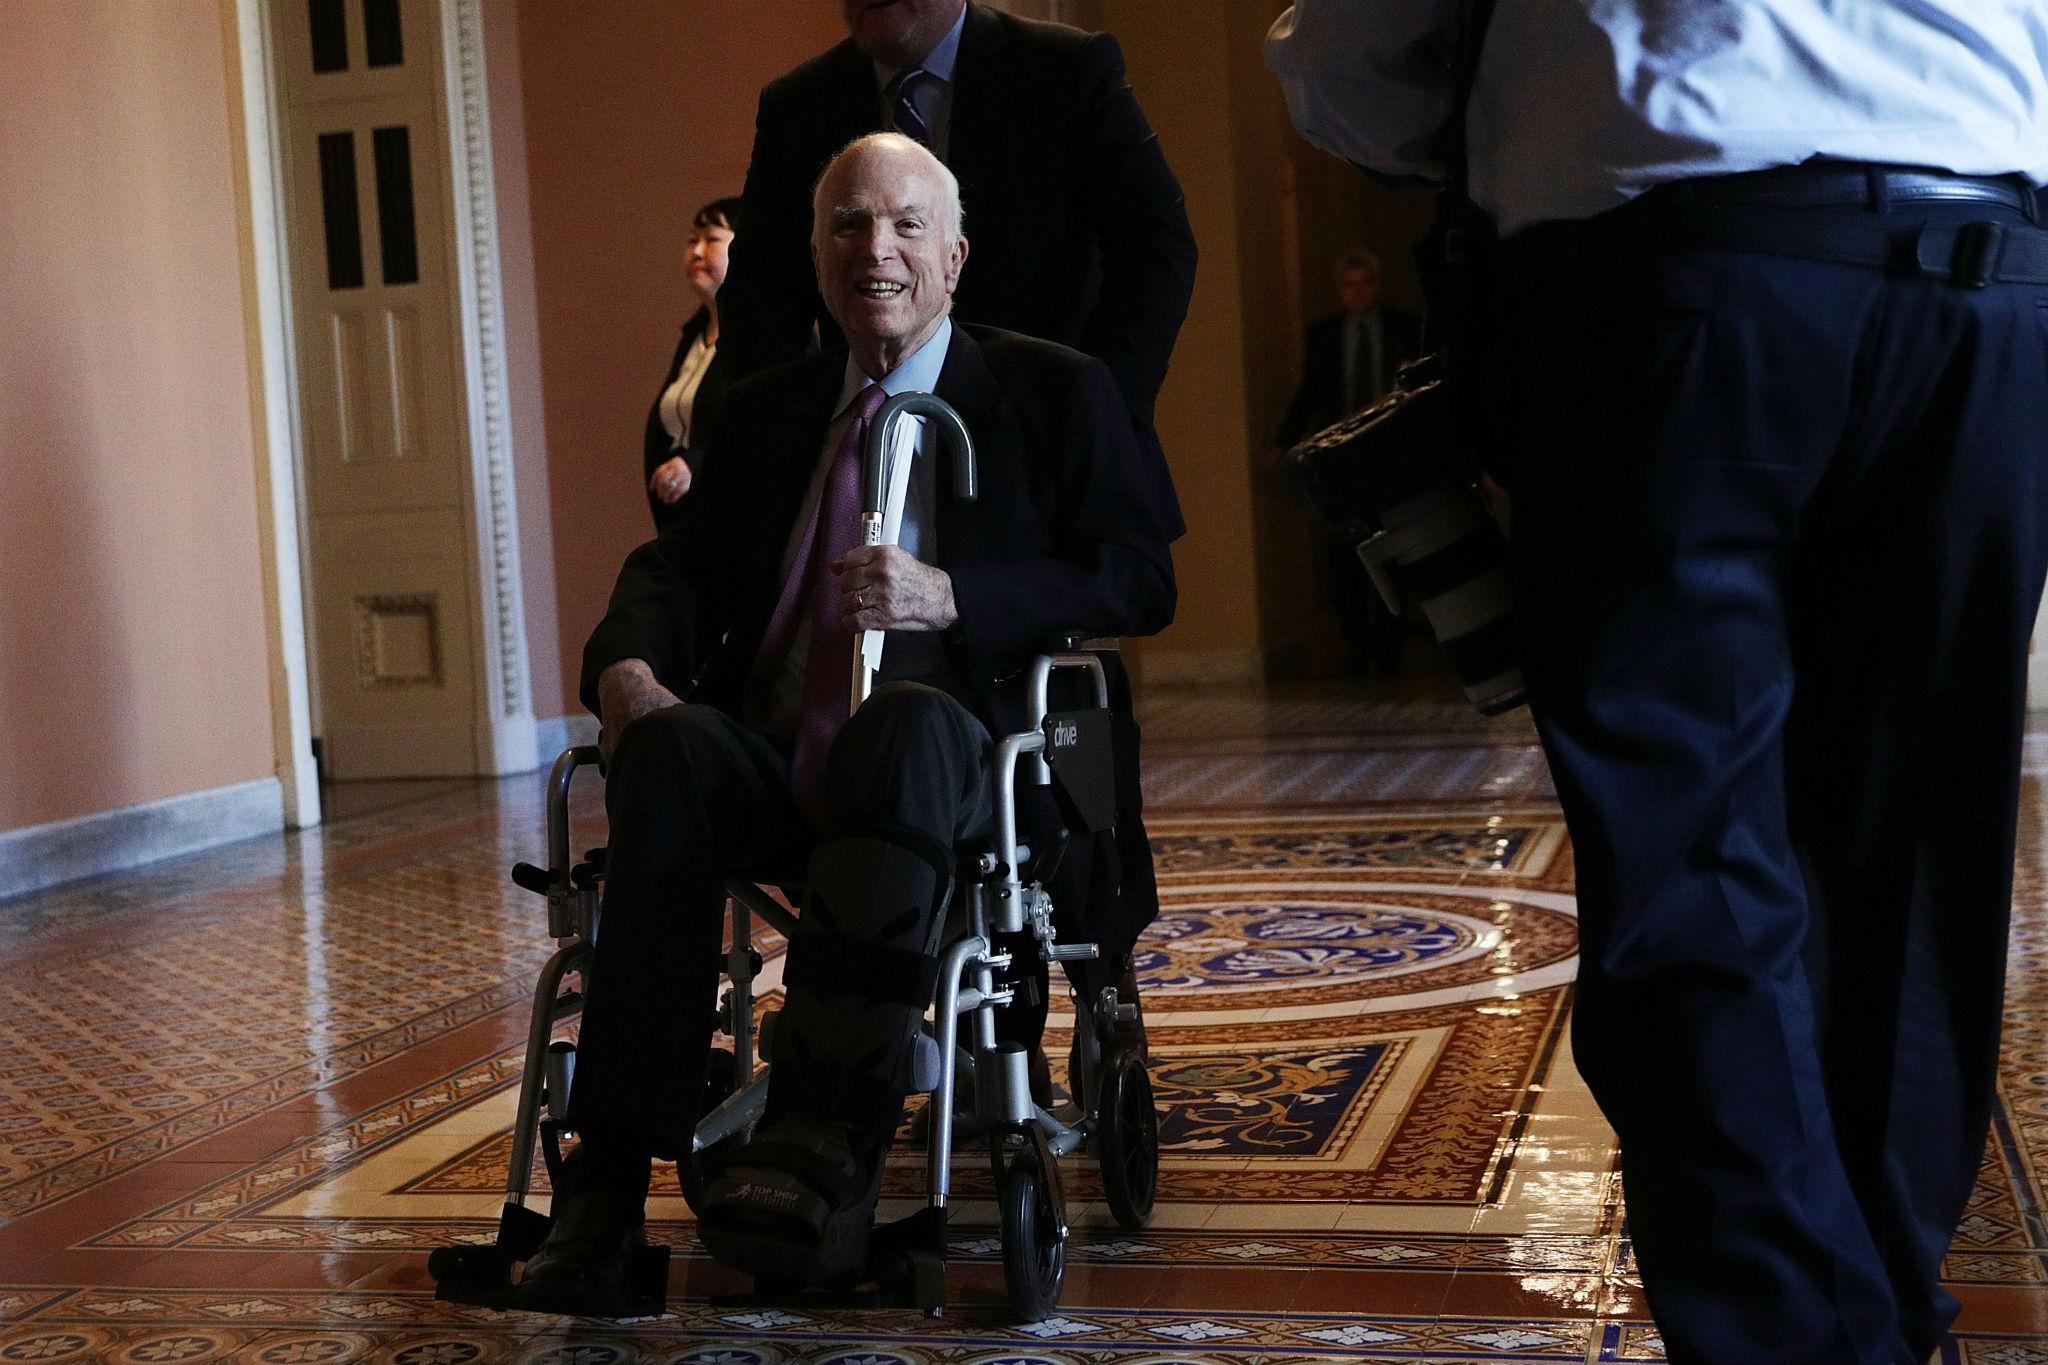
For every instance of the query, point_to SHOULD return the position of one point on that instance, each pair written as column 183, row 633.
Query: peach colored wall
column 131, row 605
column 502, row 66
column 1297, row 630
column 636, row 112
column 1182, row 68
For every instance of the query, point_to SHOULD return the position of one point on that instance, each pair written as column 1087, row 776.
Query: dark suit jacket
column 1063, row 535
column 1076, row 228
column 1320, row 399
column 655, row 444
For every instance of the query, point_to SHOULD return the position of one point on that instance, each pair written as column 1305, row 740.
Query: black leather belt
column 1771, row 213
column 1848, row 185
column 1971, row 255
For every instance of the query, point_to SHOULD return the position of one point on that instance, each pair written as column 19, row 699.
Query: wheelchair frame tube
column 540, row 1032
column 1009, row 916
column 747, row 899
column 739, row 969
column 1042, row 669
column 559, row 779
column 947, row 1012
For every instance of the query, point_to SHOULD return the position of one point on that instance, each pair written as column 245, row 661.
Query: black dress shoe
column 584, row 1266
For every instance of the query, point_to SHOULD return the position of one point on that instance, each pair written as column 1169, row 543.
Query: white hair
column 948, row 207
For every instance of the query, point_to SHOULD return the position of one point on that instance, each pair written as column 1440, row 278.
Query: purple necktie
column 811, row 589
column 909, row 119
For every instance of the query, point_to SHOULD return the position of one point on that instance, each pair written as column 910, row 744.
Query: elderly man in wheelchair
column 761, row 593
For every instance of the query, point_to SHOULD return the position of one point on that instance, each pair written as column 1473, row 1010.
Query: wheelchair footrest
column 908, row 1260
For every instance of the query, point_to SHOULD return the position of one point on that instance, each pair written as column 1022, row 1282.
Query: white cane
column 877, row 476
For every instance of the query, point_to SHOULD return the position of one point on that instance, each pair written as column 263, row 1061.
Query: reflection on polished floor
column 243, row 1094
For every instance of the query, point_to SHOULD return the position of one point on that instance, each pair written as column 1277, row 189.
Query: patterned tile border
column 190, row 1326
column 276, row 1329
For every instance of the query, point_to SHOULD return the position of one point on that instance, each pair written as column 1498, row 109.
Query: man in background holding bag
column 1767, row 401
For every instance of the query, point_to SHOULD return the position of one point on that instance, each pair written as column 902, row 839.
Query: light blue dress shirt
column 1583, row 104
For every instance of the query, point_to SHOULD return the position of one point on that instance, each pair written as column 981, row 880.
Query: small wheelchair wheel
column 1127, row 1138
column 693, row 1172
column 1034, row 1250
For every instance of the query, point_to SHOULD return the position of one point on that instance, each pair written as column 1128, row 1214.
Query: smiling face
column 886, row 242
column 899, row 33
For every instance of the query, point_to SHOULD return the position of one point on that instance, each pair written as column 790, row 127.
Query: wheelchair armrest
column 1040, row 678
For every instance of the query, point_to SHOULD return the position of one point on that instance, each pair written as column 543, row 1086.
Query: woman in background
column 670, row 452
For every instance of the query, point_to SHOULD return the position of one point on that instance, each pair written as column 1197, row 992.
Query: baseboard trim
column 507, row 746
column 41, row 856
column 557, row 733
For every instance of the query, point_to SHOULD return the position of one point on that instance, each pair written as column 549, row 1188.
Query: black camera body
column 1392, row 480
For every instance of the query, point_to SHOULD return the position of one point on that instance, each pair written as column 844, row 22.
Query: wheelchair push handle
column 878, row 472
column 560, row 777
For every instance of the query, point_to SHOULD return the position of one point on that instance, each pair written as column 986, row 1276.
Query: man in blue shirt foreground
column 1769, row 352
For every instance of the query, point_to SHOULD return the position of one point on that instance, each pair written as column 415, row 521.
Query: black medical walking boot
column 796, row 1203
column 587, row 1264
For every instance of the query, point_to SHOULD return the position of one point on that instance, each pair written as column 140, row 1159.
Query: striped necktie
column 909, row 118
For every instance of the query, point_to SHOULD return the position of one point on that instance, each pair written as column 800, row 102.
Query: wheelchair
column 998, row 889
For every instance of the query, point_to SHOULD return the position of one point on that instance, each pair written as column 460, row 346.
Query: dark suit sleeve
column 647, row 618
column 1148, row 250
column 668, row 606
column 769, row 300
column 1109, row 571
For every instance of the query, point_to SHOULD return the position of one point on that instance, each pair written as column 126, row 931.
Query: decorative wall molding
column 271, row 382
column 115, row 840
column 377, row 614
column 507, row 695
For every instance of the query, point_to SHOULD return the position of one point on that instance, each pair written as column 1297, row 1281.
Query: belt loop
column 1975, row 260
column 1874, row 182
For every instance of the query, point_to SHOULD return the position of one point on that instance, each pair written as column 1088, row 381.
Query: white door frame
column 506, row 738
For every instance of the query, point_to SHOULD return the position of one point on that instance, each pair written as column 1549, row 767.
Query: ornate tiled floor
column 242, row 1094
